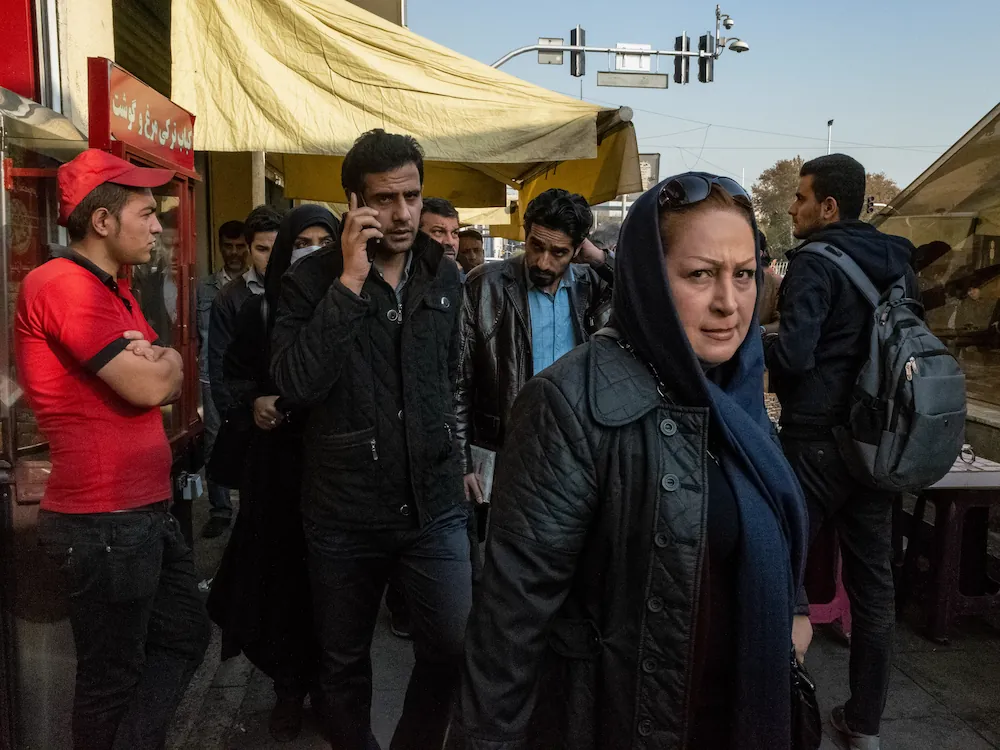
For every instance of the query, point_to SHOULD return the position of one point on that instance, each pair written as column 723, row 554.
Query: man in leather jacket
column 522, row 314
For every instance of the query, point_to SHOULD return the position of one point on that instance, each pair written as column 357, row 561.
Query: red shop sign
column 123, row 108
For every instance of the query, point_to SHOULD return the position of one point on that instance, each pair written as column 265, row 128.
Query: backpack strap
column 846, row 264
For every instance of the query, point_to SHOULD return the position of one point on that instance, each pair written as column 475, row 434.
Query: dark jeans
column 475, row 547
column 395, row 598
column 138, row 622
column 349, row 570
column 863, row 520
column 218, row 496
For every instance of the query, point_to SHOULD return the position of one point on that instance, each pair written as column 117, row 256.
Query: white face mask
column 301, row 252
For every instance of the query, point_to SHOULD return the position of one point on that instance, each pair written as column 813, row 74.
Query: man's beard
column 541, row 279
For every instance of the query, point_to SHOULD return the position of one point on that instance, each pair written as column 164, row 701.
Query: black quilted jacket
column 324, row 357
column 582, row 637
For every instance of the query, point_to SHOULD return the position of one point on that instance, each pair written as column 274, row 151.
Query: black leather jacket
column 496, row 342
column 594, row 564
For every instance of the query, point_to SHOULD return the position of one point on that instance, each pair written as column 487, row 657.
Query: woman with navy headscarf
column 647, row 535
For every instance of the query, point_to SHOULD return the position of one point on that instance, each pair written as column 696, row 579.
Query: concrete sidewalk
column 941, row 698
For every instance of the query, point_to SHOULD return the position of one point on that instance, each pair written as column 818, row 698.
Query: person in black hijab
column 648, row 536
column 260, row 597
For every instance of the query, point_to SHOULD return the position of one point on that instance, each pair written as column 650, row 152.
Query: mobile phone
column 375, row 242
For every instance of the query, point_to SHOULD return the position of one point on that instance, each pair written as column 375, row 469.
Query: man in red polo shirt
column 95, row 379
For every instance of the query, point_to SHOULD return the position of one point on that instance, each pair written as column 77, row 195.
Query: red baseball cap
column 95, row 167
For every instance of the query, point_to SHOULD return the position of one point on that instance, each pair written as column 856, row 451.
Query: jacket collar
column 515, row 283
column 620, row 388
column 429, row 267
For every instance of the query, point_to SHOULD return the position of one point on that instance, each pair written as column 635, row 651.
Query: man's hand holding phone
column 360, row 225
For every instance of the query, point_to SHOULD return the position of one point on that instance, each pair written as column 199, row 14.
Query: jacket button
column 668, row 427
column 670, row 482
column 404, row 510
column 645, row 727
column 649, row 665
column 654, row 604
column 400, row 415
column 660, row 540
column 392, row 315
column 445, row 303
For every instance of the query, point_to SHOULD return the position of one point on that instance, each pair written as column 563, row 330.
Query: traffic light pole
column 606, row 50
column 717, row 44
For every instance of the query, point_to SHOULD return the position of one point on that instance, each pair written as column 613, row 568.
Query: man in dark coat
column 233, row 248
column 367, row 338
column 814, row 360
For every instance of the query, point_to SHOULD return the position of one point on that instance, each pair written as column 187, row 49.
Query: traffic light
column 578, row 60
column 870, row 204
column 706, row 65
column 682, row 65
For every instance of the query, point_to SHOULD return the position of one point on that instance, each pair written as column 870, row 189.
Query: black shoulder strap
column 846, row 264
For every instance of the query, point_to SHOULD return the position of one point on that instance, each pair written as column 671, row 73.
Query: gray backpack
column 907, row 414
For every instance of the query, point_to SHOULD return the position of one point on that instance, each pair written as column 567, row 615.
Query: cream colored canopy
column 306, row 77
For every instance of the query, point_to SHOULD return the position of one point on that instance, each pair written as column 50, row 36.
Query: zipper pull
column 911, row 367
column 374, row 451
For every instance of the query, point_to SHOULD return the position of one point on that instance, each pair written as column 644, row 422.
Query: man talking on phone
column 367, row 337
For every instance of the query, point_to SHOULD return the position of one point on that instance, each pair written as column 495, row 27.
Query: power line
column 716, row 166
column 678, row 132
column 918, row 149
column 750, row 130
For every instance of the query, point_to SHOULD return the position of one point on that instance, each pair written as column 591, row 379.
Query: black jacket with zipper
column 825, row 324
column 380, row 392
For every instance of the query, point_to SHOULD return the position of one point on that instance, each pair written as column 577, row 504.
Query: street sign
column 632, row 80
column 630, row 62
column 550, row 58
column 649, row 170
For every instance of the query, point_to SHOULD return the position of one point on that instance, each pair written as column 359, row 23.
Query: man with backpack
column 814, row 361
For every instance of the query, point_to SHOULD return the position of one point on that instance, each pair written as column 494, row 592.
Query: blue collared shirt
column 552, row 333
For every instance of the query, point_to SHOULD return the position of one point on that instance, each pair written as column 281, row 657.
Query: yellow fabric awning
column 318, row 178
column 306, row 77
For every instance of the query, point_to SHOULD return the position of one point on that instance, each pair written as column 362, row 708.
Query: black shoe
column 215, row 527
column 399, row 623
column 286, row 719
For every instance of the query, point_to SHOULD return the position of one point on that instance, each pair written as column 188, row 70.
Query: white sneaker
column 855, row 740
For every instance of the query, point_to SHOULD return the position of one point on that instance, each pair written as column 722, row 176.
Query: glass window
column 157, row 285
column 33, row 211
column 958, row 265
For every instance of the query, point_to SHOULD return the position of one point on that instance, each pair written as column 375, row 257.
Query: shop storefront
column 952, row 214
column 37, row 660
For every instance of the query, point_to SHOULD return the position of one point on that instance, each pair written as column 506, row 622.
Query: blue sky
column 911, row 75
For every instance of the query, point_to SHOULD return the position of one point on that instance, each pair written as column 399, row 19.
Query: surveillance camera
column 739, row 45
column 729, row 22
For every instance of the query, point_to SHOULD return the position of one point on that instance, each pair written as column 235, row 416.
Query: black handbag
column 807, row 724
column 232, row 442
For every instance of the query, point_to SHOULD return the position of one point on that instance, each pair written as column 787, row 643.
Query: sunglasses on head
column 689, row 189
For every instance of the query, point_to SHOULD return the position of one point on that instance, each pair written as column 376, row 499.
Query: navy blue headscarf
column 772, row 510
